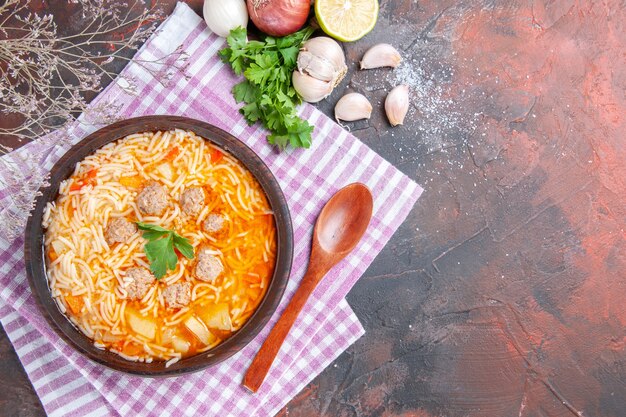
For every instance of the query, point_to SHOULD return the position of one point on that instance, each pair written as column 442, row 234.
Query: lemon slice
column 346, row 20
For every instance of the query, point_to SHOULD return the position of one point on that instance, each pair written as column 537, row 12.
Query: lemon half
column 346, row 20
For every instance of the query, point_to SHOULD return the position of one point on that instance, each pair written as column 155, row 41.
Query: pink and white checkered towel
column 71, row 385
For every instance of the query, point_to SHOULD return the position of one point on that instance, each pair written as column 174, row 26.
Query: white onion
column 222, row 16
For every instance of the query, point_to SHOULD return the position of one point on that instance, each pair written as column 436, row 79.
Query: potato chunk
column 180, row 345
column 215, row 316
column 198, row 328
column 144, row 326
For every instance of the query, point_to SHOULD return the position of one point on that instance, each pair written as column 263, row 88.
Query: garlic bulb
column 397, row 104
column 321, row 59
column 381, row 55
column 311, row 89
column 323, row 52
column 224, row 15
column 353, row 106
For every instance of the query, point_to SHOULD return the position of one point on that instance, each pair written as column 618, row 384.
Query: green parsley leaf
column 290, row 55
column 160, row 248
column 255, row 47
column 235, row 55
column 246, row 92
column 183, row 246
column 161, row 255
column 151, row 231
column 252, row 113
column 267, row 92
column 154, row 227
column 151, row 235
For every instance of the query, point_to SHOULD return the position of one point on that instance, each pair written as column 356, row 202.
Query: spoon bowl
column 344, row 219
column 339, row 227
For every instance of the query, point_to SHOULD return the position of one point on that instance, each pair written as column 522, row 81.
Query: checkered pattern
column 70, row 384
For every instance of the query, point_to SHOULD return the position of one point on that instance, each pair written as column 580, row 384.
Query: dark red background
column 503, row 293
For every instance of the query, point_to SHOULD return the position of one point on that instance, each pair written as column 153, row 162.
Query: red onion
column 279, row 17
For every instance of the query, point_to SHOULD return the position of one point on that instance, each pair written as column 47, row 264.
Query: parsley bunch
column 267, row 90
column 160, row 248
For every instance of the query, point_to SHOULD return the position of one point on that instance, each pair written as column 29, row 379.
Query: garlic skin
column 328, row 51
column 323, row 60
column 381, row 55
column 397, row 104
column 309, row 88
column 353, row 106
column 224, row 15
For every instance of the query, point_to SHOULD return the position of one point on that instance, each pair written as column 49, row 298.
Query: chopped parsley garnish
column 161, row 246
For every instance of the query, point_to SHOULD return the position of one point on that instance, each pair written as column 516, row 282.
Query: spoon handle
column 266, row 355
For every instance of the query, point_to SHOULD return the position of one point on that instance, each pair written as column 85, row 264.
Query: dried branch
column 46, row 79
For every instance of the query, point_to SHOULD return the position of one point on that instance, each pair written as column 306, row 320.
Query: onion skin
column 279, row 17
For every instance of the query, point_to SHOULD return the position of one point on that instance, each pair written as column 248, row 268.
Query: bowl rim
column 64, row 167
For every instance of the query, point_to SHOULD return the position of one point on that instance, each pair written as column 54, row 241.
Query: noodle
column 87, row 273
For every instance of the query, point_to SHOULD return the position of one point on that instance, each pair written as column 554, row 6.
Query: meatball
column 213, row 223
column 141, row 281
column 192, row 200
column 119, row 230
column 208, row 267
column 177, row 295
column 152, row 199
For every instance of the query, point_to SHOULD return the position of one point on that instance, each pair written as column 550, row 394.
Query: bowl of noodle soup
column 162, row 245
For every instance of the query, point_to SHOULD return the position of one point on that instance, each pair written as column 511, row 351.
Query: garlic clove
column 321, row 53
column 397, row 104
column 316, row 67
column 328, row 48
column 311, row 89
column 381, row 55
column 353, row 106
column 224, row 15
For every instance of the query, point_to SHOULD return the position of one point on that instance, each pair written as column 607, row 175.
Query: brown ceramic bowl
column 36, row 266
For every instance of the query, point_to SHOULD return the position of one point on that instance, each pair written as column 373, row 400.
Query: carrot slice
column 171, row 155
column 91, row 174
column 76, row 186
column 88, row 179
column 216, row 155
column 132, row 182
column 133, row 349
column 74, row 303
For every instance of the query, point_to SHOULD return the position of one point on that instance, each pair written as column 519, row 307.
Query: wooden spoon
column 338, row 229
